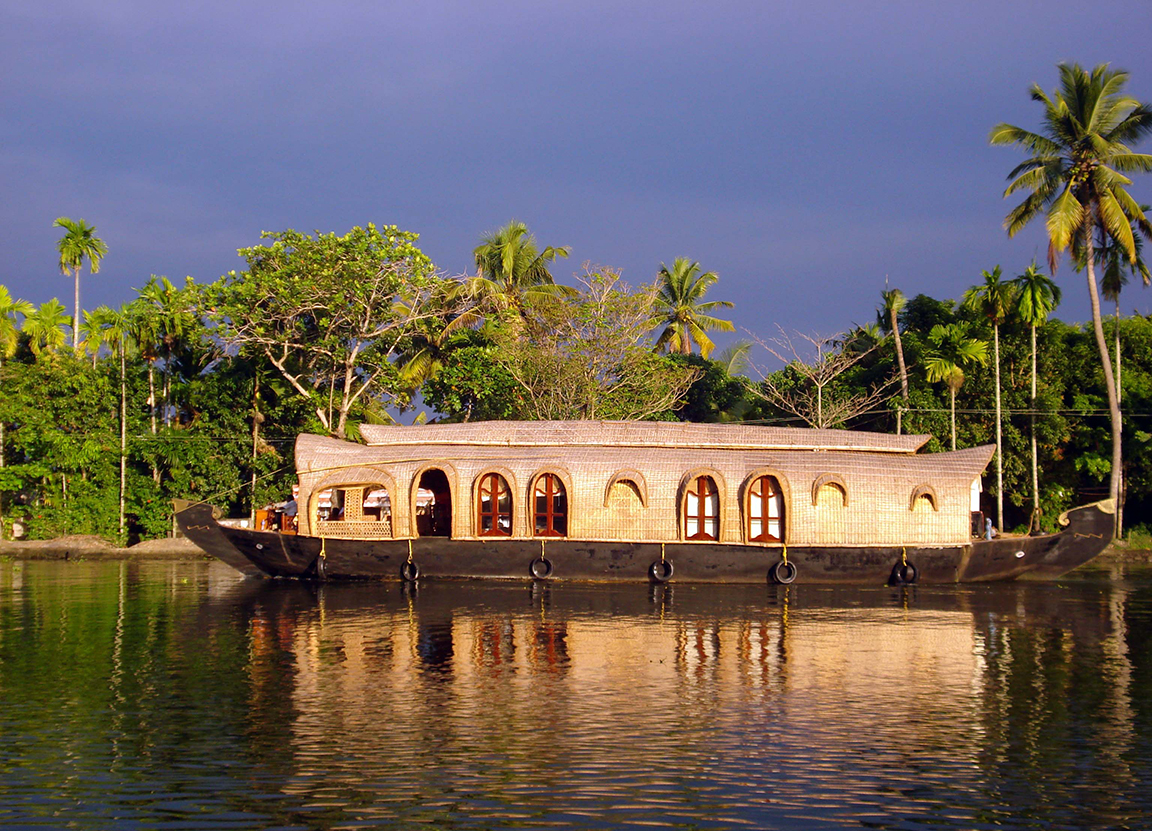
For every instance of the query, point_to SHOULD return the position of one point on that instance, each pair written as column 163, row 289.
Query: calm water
column 173, row 695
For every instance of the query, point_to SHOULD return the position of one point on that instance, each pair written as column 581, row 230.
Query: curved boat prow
column 197, row 521
column 1087, row 532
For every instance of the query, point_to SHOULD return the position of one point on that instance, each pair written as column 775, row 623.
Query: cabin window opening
column 765, row 510
column 831, row 495
column 702, row 510
column 433, row 505
column 330, row 505
column 376, row 504
column 550, row 502
column 923, row 504
column 495, row 518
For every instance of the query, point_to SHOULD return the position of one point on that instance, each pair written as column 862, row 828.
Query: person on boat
column 290, row 510
column 989, row 529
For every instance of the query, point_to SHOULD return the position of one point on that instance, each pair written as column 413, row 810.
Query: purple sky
column 802, row 150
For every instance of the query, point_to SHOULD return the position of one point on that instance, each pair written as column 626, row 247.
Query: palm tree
column 993, row 299
column 113, row 328
column 9, row 338
column 679, row 310
column 1036, row 297
column 512, row 271
column 952, row 350
column 45, row 328
column 1116, row 267
column 168, row 317
column 78, row 243
column 889, row 317
column 1075, row 177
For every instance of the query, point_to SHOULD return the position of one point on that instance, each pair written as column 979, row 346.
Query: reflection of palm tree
column 679, row 310
column 993, row 299
column 9, row 338
column 79, row 243
column 45, row 328
column 1036, row 297
column 512, row 270
column 952, row 350
column 889, row 314
column 1075, row 177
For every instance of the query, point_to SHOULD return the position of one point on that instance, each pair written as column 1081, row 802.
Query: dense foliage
column 200, row 391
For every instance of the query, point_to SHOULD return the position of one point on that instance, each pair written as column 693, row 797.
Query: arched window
column 495, row 519
column 765, row 510
column 702, row 510
column 550, row 506
column 923, row 504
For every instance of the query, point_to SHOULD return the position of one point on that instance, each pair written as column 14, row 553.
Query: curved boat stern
column 197, row 521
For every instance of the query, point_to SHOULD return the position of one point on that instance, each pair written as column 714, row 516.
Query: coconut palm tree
column 9, row 338
column 1036, row 297
column 168, row 317
column 512, row 270
column 79, row 243
column 1075, row 177
column 893, row 301
column 993, row 299
column 679, row 310
column 952, row 350
column 113, row 328
column 1116, row 267
column 45, row 328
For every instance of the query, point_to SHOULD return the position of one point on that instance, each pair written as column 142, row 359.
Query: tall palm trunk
column 255, row 441
column 1109, row 379
column 899, row 356
column 123, row 438
column 76, row 312
column 952, row 399
column 999, row 444
column 152, row 396
column 1034, row 523
column 152, row 414
column 1, row 465
column 1122, row 489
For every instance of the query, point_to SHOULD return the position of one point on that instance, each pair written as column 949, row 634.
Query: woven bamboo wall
column 878, row 483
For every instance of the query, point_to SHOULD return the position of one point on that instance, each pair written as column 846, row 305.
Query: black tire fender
column 661, row 571
column 541, row 568
column 782, row 573
column 903, row 574
column 409, row 571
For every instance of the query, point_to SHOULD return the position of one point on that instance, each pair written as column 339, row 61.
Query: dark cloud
column 804, row 151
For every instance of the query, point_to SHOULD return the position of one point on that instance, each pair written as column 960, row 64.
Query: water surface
column 174, row 695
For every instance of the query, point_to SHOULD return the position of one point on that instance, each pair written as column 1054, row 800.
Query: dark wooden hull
column 310, row 558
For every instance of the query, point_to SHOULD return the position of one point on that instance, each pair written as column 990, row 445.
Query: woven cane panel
column 830, row 516
column 636, row 434
column 355, row 529
column 624, row 510
column 880, row 484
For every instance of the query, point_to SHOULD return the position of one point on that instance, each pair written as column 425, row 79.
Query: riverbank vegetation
column 200, row 391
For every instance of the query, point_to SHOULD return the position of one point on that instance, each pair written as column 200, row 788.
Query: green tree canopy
column 330, row 312
column 680, row 310
column 78, row 244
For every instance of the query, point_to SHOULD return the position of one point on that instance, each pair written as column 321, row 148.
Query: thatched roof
column 638, row 434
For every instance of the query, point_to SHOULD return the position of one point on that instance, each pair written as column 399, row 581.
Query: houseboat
column 642, row 501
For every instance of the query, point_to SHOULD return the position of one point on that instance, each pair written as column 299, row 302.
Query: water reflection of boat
column 631, row 501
